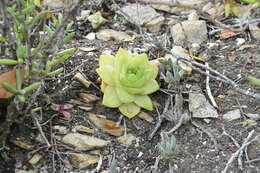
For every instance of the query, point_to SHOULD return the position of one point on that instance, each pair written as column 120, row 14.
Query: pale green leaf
column 129, row 109
column 150, row 87
column 106, row 60
column 124, row 96
column 110, row 98
column 106, row 73
column 144, row 101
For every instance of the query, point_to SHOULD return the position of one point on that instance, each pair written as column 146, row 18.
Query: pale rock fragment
column 178, row 35
column 84, row 142
column 110, row 34
column 199, row 105
column 232, row 115
column 195, row 31
column 35, row 160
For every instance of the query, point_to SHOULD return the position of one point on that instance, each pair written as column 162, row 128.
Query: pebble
column 232, row 115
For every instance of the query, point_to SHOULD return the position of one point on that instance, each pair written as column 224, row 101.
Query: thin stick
column 41, row 131
column 236, row 154
column 177, row 126
column 208, row 88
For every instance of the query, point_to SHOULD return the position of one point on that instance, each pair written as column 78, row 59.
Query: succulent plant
column 127, row 79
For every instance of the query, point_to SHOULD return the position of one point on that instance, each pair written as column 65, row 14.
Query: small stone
column 126, row 139
column 240, row 41
column 91, row 36
column 83, row 15
column 195, row 31
column 255, row 30
column 109, row 34
column 232, row 115
column 199, row 106
column 35, row 160
column 155, row 24
column 83, row 142
column 193, row 16
column 140, row 14
column 195, row 47
column 178, row 35
column 82, row 161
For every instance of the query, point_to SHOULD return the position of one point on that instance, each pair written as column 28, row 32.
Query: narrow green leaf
column 59, row 61
column 32, row 87
column 9, row 88
column 66, row 52
column 253, row 80
column 9, row 62
column 18, row 79
column 68, row 38
column 56, row 72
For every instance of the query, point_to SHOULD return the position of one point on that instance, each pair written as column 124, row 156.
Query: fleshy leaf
column 103, row 86
column 144, row 101
column 129, row 109
column 106, row 60
column 150, row 87
column 124, row 96
column 111, row 98
column 106, row 73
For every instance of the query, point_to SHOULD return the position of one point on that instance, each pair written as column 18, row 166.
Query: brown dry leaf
column 145, row 116
column 232, row 58
column 227, row 34
column 82, row 79
column 106, row 125
column 22, row 144
column 10, row 78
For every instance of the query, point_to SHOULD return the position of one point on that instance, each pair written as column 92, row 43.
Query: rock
column 109, row 34
column 96, row 20
column 178, row 35
column 240, row 41
column 195, row 47
column 232, row 115
column 199, row 106
column 155, row 24
column 83, row 15
column 195, row 31
column 126, row 139
column 82, row 161
column 91, row 36
column 140, row 14
column 106, row 125
column 255, row 30
column 193, row 16
column 178, row 50
column 253, row 116
column 35, row 160
column 83, row 142
column 80, row 128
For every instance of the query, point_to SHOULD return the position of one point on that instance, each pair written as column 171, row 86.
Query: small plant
column 31, row 45
column 172, row 72
column 168, row 146
column 127, row 79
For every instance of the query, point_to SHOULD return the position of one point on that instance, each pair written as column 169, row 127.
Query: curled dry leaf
column 88, row 98
column 10, row 78
column 106, row 125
